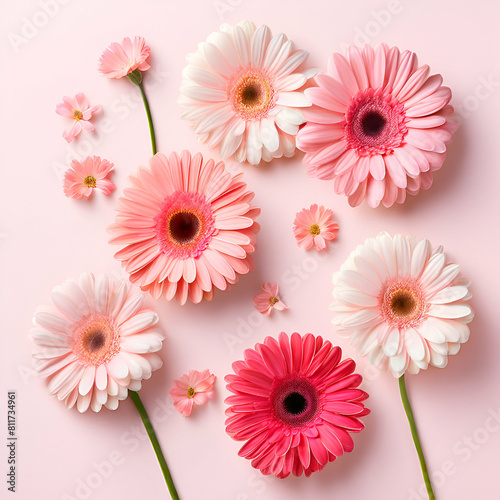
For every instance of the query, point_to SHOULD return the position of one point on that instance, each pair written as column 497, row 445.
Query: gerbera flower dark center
column 252, row 94
column 375, row 123
column 295, row 402
column 402, row 303
column 90, row 181
column 183, row 227
column 77, row 115
column 315, row 230
column 96, row 340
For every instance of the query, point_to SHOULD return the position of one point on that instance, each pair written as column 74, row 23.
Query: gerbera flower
column 294, row 404
column 402, row 303
column 314, row 226
column 192, row 388
column 96, row 342
column 78, row 109
column 121, row 59
column 83, row 177
column 268, row 300
column 379, row 127
column 241, row 93
column 187, row 227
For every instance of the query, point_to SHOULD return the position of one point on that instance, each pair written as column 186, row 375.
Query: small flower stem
column 150, row 119
column 414, row 434
column 156, row 445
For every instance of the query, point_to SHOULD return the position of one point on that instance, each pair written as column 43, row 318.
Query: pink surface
column 47, row 237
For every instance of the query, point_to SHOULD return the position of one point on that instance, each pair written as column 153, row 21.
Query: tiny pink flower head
column 120, row 59
column 314, row 227
column 268, row 300
column 193, row 387
column 83, row 177
column 78, row 109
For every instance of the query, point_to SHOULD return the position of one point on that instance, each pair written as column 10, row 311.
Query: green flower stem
column 150, row 119
column 414, row 434
column 136, row 78
column 156, row 445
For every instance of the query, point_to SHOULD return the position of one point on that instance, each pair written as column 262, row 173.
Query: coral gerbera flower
column 242, row 93
column 121, row 59
column 314, row 226
column 83, row 177
column 187, row 227
column 294, row 403
column 379, row 127
column 78, row 109
column 192, row 388
column 96, row 342
column 268, row 300
column 402, row 303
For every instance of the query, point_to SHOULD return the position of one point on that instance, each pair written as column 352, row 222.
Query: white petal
column 293, row 99
column 392, row 342
column 449, row 294
column 87, row 380
column 449, row 311
column 269, row 134
column 138, row 323
column 414, row 344
column 419, row 258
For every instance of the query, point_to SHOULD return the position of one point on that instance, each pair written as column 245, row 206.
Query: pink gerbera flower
column 96, row 342
column 314, row 226
column 402, row 303
column 192, row 388
column 379, row 127
column 83, row 177
column 121, row 59
column 268, row 300
column 294, row 403
column 78, row 109
column 187, row 227
column 242, row 93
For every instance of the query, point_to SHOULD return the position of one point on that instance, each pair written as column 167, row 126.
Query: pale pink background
column 46, row 238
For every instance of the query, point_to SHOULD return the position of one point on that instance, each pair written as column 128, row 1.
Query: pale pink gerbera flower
column 187, row 227
column 402, row 303
column 192, row 388
column 96, row 342
column 294, row 402
column 83, row 177
column 121, row 59
column 379, row 127
column 78, row 109
column 314, row 226
column 242, row 93
column 268, row 300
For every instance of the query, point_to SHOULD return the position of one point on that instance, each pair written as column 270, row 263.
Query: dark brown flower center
column 403, row 303
column 183, row 227
column 373, row 123
column 94, row 340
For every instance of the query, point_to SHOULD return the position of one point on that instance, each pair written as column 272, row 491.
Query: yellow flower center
column 77, row 115
column 314, row 230
column 90, row 181
column 273, row 300
column 191, row 392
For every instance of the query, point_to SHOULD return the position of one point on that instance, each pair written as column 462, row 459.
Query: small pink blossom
column 121, row 59
column 78, row 109
column 83, row 177
column 192, row 388
column 314, row 226
column 268, row 300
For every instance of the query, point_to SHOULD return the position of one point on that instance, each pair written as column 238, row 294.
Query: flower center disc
column 295, row 402
column 77, row 115
column 314, row 230
column 183, row 227
column 403, row 304
column 252, row 95
column 375, row 123
column 96, row 341
column 90, row 181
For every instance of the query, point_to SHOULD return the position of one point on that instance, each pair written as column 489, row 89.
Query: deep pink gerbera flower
column 379, row 127
column 187, row 227
column 294, row 403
